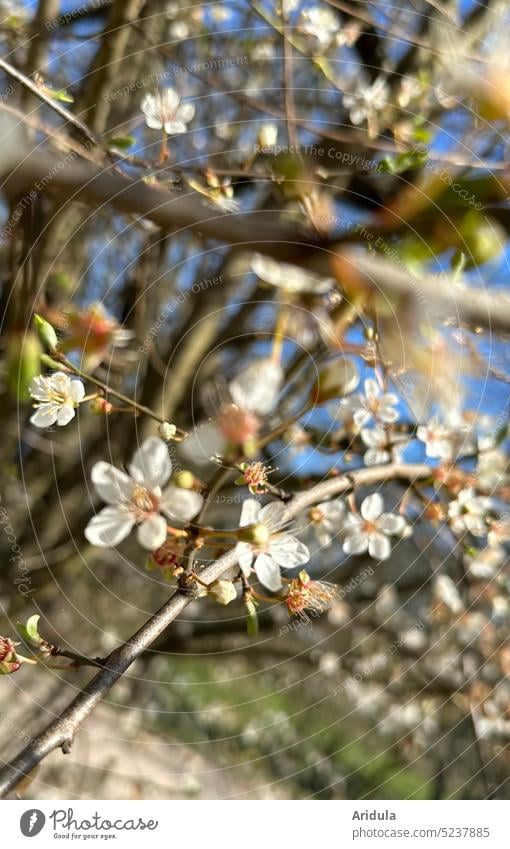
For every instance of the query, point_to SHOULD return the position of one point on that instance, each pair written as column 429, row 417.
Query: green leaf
column 30, row 631
column 122, row 142
column 59, row 94
column 403, row 162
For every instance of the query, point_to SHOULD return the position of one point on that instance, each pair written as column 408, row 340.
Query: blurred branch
column 256, row 231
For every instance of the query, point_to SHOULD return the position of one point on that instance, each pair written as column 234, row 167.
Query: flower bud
column 101, row 405
column 9, row 661
column 23, row 352
column 167, row 431
column 268, row 135
column 47, row 361
column 254, row 534
column 222, row 591
column 184, row 479
column 46, row 333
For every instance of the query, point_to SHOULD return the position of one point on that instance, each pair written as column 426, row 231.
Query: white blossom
column 468, row 512
column 289, row 277
column 493, row 469
column 274, row 549
column 374, row 404
column 57, row 395
column 138, row 498
column 436, row 437
column 327, row 520
column 254, row 392
column 164, row 110
column 366, row 102
column 320, row 23
column 380, row 450
column 257, row 387
column 268, row 134
column 371, row 530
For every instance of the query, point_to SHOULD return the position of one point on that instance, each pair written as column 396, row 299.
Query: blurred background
column 379, row 126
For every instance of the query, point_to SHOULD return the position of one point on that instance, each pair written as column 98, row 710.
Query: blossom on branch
column 327, row 519
column 371, row 531
column 138, row 498
column 374, row 404
column 164, row 111
column 58, row 396
column 265, row 549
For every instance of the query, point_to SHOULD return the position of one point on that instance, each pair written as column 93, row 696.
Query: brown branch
column 61, row 732
column 256, row 231
column 45, row 98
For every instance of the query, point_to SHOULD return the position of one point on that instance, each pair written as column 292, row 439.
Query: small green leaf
column 30, row 631
column 58, row 94
column 403, row 162
column 122, row 142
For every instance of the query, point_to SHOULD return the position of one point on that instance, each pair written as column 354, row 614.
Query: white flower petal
column 257, row 387
column 152, row 532
column 272, row 515
column 390, row 523
column 109, row 527
column 387, row 415
column 151, row 463
column 372, row 507
column 45, row 415
column 355, row 543
column 175, row 128
column 250, row 513
column 244, row 554
column 111, row 484
column 268, row 572
column 153, row 122
column 179, row 503
column 65, row 414
column 203, row 443
column 379, row 546
column 77, row 391
column 39, row 388
column 288, row 551
column 185, row 113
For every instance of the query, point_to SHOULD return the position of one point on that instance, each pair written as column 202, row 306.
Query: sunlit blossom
column 164, row 110
column 138, row 499
column 468, row 512
column 57, row 398
column 371, row 529
column 272, row 549
column 327, row 520
column 373, row 404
